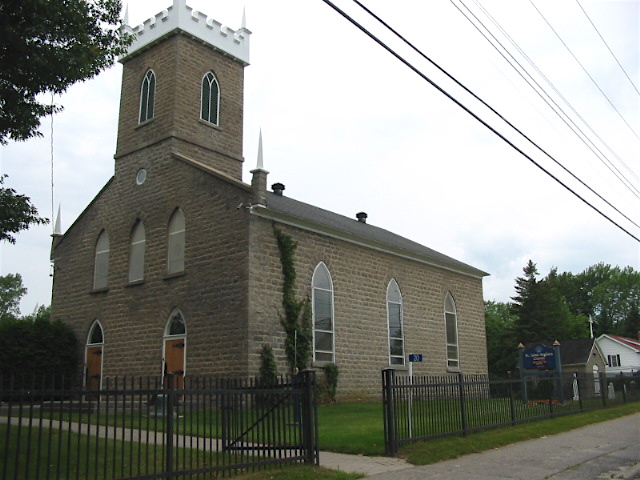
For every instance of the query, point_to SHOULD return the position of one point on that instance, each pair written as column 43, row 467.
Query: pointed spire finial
column 260, row 165
column 126, row 14
column 244, row 17
column 57, row 229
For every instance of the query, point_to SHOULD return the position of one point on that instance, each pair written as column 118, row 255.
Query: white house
column 622, row 353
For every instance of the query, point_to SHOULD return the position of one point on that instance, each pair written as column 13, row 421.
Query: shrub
column 35, row 346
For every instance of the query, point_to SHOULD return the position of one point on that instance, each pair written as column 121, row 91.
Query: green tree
column 46, row 46
column 16, row 213
column 541, row 310
column 606, row 293
column 501, row 344
column 630, row 326
column 35, row 345
column 11, row 292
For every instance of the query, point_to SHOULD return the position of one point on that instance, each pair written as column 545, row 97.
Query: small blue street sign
column 415, row 357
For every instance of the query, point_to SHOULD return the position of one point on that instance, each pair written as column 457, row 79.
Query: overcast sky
column 348, row 128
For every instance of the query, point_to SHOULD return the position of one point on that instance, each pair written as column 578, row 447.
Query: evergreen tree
column 541, row 310
column 501, row 343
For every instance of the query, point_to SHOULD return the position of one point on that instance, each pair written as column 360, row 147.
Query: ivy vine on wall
column 296, row 320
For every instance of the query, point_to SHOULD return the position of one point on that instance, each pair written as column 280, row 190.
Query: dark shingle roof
column 576, row 351
column 309, row 214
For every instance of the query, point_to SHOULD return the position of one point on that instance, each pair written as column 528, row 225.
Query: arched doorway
column 175, row 348
column 93, row 357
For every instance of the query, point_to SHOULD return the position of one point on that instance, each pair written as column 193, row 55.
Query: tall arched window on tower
column 210, row 102
column 101, row 267
column 323, row 327
column 394, row 316
column 451, row 327
column 136, row 253
column 147, row 96
column 175, row 252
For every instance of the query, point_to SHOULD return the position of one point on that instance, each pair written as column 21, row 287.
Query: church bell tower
column 182, row 89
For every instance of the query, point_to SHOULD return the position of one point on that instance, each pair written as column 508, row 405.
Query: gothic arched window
column 175, row 251
column 394, row 317
column 136, row 253
column 451, row 327
column 101, row 266
column 147, row 96
column 210, row 101
column 323, row 325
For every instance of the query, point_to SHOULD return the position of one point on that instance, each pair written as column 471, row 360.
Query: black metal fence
column 423, row 407
column 143, row 428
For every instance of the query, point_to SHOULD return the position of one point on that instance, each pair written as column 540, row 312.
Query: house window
column 175, row 252
column 323, row 327
column 614, row 360
column 147, row 96
column 394, row 320
column 451, row 328
column 136, row 253
column 101, row 266
column 210, row 101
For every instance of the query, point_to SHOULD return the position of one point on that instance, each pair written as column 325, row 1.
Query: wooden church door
column 175, row 348
column 93, row 359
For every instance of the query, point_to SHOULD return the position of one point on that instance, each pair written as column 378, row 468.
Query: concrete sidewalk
column 604, row 450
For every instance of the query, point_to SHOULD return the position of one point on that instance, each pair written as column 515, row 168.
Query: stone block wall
column 211, row 293
column 179, row 64
column 360, row 278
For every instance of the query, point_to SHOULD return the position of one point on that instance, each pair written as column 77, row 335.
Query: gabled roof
column 293, row 212
column 576, row 351
column 632, row 343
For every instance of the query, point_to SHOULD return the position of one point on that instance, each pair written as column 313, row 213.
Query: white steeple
column 57, row 229
column 260, row 165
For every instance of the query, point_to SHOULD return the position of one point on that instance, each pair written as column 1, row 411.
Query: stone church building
column 174, row 265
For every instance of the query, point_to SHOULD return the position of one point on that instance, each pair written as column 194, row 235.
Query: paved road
column 605, row 450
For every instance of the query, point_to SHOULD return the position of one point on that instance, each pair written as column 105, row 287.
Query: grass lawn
column 437, row 450
column 348, row 427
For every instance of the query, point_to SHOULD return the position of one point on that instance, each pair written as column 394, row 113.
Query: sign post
column 413, row 357
column 540, row 359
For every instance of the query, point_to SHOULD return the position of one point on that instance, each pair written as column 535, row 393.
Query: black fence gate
column 144, row 428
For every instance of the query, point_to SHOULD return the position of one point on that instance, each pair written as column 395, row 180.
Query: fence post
column 550, row 381
column 309, row 417
column 512, row 407
column 169, row 425
column 603, row 388
column 463, row 409
column 388, row 410
column 577, row 380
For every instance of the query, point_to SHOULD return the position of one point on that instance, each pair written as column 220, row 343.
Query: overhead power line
column 546, row 98
column 467, row 110
column 608, row 48
column 451, row 77
column 585, row 70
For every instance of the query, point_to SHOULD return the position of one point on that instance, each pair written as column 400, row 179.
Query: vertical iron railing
column 147, row 428
column 423, row 407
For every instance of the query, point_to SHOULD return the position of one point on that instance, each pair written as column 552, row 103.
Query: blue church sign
column 539, row 357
